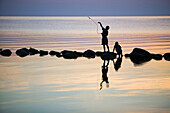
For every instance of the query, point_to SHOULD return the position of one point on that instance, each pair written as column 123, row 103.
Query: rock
column 99, row 53
column 156, row 56
column 33, row 51
column 22, row 52
column 52, row 53
column 70, row 55
column 167, row 56
column 108, row 56
column 42, row 52
column 0, row 49
column 139, row 56
column 6, row 52
column 89, row 54
column 66, row 51
column 78, row 53
column 127, row 55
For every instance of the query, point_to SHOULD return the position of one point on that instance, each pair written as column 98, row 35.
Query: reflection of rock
column 70, row 55
column 89, row 54
column 5, row 52
column 22, row 52
column 167, row 56
column 139, row 56
column 156, row 56
column 108, row 56
column 33, row 51
column 42, row 52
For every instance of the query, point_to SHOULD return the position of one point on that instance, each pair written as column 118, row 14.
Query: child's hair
column 116, row 43
column 107, row 27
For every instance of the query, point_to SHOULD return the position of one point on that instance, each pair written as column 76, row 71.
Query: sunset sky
column 84, row 7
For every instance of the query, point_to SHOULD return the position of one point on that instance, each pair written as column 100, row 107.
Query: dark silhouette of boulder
column 22, row 52
column 99, row 53
column 52, row 53
column 0, row 49
column 156, row 56
column 78, row 53
column 108, row 56
column 89, row 54
column 127, row 55
column 167, row 56
column 70, row 55
column 33, row 51
column 66, row 51
column 43, row 53
column 139, row 56
column 6, row 52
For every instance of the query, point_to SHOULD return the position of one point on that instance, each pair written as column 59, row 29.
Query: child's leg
column 108, row 48
column 104, row 47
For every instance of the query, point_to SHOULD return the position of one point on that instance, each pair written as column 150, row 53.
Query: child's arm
column 101, row 25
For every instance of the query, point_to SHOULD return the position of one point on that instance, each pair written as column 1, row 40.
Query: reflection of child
column 104, row 36
column 104, row 75
column 118, row 49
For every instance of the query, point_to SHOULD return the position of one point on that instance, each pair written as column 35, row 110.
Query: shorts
column 104, row 41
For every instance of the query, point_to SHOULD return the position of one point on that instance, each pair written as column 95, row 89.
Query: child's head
column 107, row 27
column 116, row 43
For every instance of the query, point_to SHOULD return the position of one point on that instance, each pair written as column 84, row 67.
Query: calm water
column 35, row 84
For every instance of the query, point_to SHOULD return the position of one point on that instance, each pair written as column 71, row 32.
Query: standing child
column 118, row 49
column 104, row 36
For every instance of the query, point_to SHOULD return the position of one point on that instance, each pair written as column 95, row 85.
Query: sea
column 50, row 84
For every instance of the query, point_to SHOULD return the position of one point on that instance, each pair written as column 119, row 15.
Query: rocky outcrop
column 89, row 54
column 108, row 56
column 156, row 56
column 70, row 55
column 33, row 51
column 139, row 56
column 55, row 53
column 43, row 53
column 22, row 52
column 167, row 56
column 5, row 52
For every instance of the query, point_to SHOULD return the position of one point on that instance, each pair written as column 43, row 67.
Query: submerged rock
column 6, row 52
column 89, row 54
column 43, row 53
column 33, row 51
column 22, row 52
column 167, row 56
column 139, row 56
column 156, row 56
column 108, row 56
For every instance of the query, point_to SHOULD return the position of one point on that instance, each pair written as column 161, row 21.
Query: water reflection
column 104, row 74
column 118, row 63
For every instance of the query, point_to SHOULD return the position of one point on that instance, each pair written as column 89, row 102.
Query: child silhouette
column 118, row 49
column 104, row 36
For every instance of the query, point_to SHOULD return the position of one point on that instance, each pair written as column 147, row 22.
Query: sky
column 85, row 7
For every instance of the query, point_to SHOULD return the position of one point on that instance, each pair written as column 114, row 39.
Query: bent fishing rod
column 94, row 23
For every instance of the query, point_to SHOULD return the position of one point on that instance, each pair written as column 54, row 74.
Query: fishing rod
column 94, row 23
